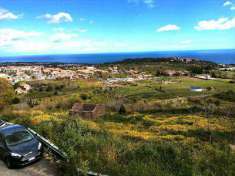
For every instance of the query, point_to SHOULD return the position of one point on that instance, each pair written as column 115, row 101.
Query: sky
column 32, row 27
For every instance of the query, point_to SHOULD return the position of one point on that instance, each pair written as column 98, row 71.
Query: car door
column 2, row 147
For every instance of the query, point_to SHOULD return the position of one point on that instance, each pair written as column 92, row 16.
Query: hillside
column 156, row 125
column 156, row 65
column 6, row 93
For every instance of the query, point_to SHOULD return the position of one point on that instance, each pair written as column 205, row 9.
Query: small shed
column 88, row 111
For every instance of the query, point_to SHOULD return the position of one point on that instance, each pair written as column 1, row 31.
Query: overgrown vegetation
column 152, row 127
column 6, row 93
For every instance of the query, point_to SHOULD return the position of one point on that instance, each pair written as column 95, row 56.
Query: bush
column 227, row 96
column 15, row 100
column 32, row 102
column 104, row 153
column 84, row 96
column 213, row 160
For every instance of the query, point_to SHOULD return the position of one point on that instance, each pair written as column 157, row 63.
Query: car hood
column 25, row 148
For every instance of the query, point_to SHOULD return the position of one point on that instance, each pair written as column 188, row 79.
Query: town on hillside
column 110, row 74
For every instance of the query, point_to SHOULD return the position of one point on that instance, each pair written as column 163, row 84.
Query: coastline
column 217, row 56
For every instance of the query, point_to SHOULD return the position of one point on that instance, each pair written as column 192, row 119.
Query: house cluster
column 17, row 74
column 113, row 70
column 131, row 75
column 204, row 77
column 87, row 72
column 131, row 72
column 128, row 79
column 23, row 88
column 225, row 68
column 175, row 73
column 184, row 60
column 117, row 80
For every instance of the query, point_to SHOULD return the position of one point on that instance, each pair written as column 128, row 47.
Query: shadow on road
column 41, row 168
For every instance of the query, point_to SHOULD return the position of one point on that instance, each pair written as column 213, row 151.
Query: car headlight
column 16, row 155
column 39, row 145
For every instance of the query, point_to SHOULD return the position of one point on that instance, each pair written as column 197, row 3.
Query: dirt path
column 41, row 168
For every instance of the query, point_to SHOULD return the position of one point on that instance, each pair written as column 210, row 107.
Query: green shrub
column 212, row 160
column 6, row 93
column 227, row 96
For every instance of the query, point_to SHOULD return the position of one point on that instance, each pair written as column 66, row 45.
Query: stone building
column 88, row 111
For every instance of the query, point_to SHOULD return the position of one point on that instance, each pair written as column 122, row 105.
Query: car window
column 18, row 138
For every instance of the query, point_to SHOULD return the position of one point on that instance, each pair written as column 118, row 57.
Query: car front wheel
column 8, row 163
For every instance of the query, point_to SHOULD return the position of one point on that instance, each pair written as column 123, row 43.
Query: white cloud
column 57, row 18
column 29, row 47
column 62, row 36
column 169, row 27
column 19, row 41
column 59, row 29
column 218, row 24
column 7, row 15
column 87, row 20
column 82, row 30
column 186, row 42
column 62, row 41
column 227, row 3
column 91, row 22
column 73, row 46
column 82, row 19
column 8, row 36
column 148, row 3
column 87, row 46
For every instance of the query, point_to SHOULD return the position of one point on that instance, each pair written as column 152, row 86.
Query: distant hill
column 165, row 60
column 154, row 65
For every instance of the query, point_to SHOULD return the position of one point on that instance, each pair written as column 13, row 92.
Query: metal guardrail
column 52, row 147
column 1, row 123
column 90, row 173
column 56, row 151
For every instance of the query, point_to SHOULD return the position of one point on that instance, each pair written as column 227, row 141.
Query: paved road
column 41, row 168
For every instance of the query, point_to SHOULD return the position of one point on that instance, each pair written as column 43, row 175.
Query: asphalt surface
column 40, row 168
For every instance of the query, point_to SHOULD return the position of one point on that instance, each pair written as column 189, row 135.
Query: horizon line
column 121, row 52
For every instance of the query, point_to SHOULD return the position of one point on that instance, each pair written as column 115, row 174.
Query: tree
column 7, row 93
column 122, row 109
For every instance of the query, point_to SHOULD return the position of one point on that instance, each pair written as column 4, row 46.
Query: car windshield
column 18, row 138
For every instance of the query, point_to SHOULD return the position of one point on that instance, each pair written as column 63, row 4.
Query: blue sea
column 218, row 56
